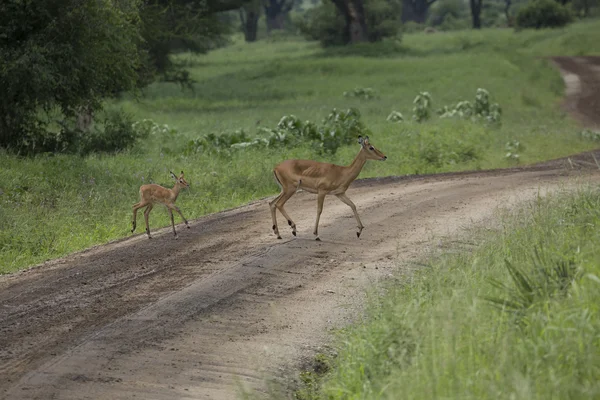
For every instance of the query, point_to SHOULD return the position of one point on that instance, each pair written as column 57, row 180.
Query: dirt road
column 227, row 304
column 582, row 80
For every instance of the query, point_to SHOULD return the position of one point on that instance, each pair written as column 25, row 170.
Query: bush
column 362, row 93
column 543, row 14
column 325, row 24
column 119, row 133
column 339, row 128
column 482, row 109
column 422, row 108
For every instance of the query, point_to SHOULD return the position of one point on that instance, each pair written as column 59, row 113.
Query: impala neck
column 176, row 189
column 357, row 165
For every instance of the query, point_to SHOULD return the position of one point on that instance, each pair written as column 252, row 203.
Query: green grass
column 435, row 334
column 53, row 205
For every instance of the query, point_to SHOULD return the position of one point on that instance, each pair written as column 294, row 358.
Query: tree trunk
column 507, row 5
column 476, row 13
column 85, row 117
column 356, row 24
column 276, row 12
column 249, row 19
column 416, row 10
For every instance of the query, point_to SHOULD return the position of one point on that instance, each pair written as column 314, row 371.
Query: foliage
column 481, row 109
column 362, row 93
column 545, row 279
column 590, row 135
column 339, row 128
column 513, row 148
column 443, row 13
column 62, row 58
column 422, row 107
column 325, row 23
column 543, row 14
column 170, row 27
column 431, row 149
column 433, row 331
column 395, row 116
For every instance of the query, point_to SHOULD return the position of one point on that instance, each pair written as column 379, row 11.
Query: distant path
column 582, row 80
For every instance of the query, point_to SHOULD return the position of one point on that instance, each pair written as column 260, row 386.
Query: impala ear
column 360, row 140
column 181, row 174
column 173, row 175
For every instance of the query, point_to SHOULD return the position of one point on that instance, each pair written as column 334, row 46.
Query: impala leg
column 174, row 207
column 136, row 207
column 277, row 204
column 146, row 214
column 347, row 200
column 273, row 208
column 172, row 221
column 320, row 200
column 280, row 203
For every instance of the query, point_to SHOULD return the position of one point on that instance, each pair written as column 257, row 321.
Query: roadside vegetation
column 515, row 314
column 58, row 202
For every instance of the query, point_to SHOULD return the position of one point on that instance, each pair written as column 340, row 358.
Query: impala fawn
column 152, row 194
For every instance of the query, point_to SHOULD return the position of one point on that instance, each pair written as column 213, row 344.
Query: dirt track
column 227, row 304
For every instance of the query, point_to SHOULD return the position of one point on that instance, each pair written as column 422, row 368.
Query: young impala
column 153, row 194
column 320, row 178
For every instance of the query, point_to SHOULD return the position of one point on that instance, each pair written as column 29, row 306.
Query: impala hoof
column 188, row 226
column 289, row 223
column 358, row 234
column 294, row 233
column 278, row 237
column 318, row 239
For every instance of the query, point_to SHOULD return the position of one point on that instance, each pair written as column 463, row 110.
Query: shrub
column 395, row 116
column 543, row 14
column 422, row 108
column 339, row 128
column 513, row 148
column 118, row 133
column 480, row 109
column 362, row 93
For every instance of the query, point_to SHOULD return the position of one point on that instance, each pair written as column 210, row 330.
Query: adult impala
column 320, row 178
column 152, row 194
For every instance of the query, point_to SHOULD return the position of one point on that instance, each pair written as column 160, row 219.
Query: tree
column 476, row 13
column 507, row 4
column 65, row 56
column 181, row 25
column 249, row 15
column 583, row 7
column 327, row 24
column 353, row 11
column 416, row 10
column 275, row 13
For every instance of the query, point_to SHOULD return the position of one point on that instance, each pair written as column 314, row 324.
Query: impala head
column 371, row 152
column 180, row 180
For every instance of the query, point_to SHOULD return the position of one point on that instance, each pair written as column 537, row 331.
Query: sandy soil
column 228, row 305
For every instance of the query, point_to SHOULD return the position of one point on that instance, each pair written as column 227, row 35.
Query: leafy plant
column 480, row 109
column 362, row 93
column 545, row 280
column 422, row 108
column 513, row 148
column 590, row 135
column 340, row 127
column 395, row 116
